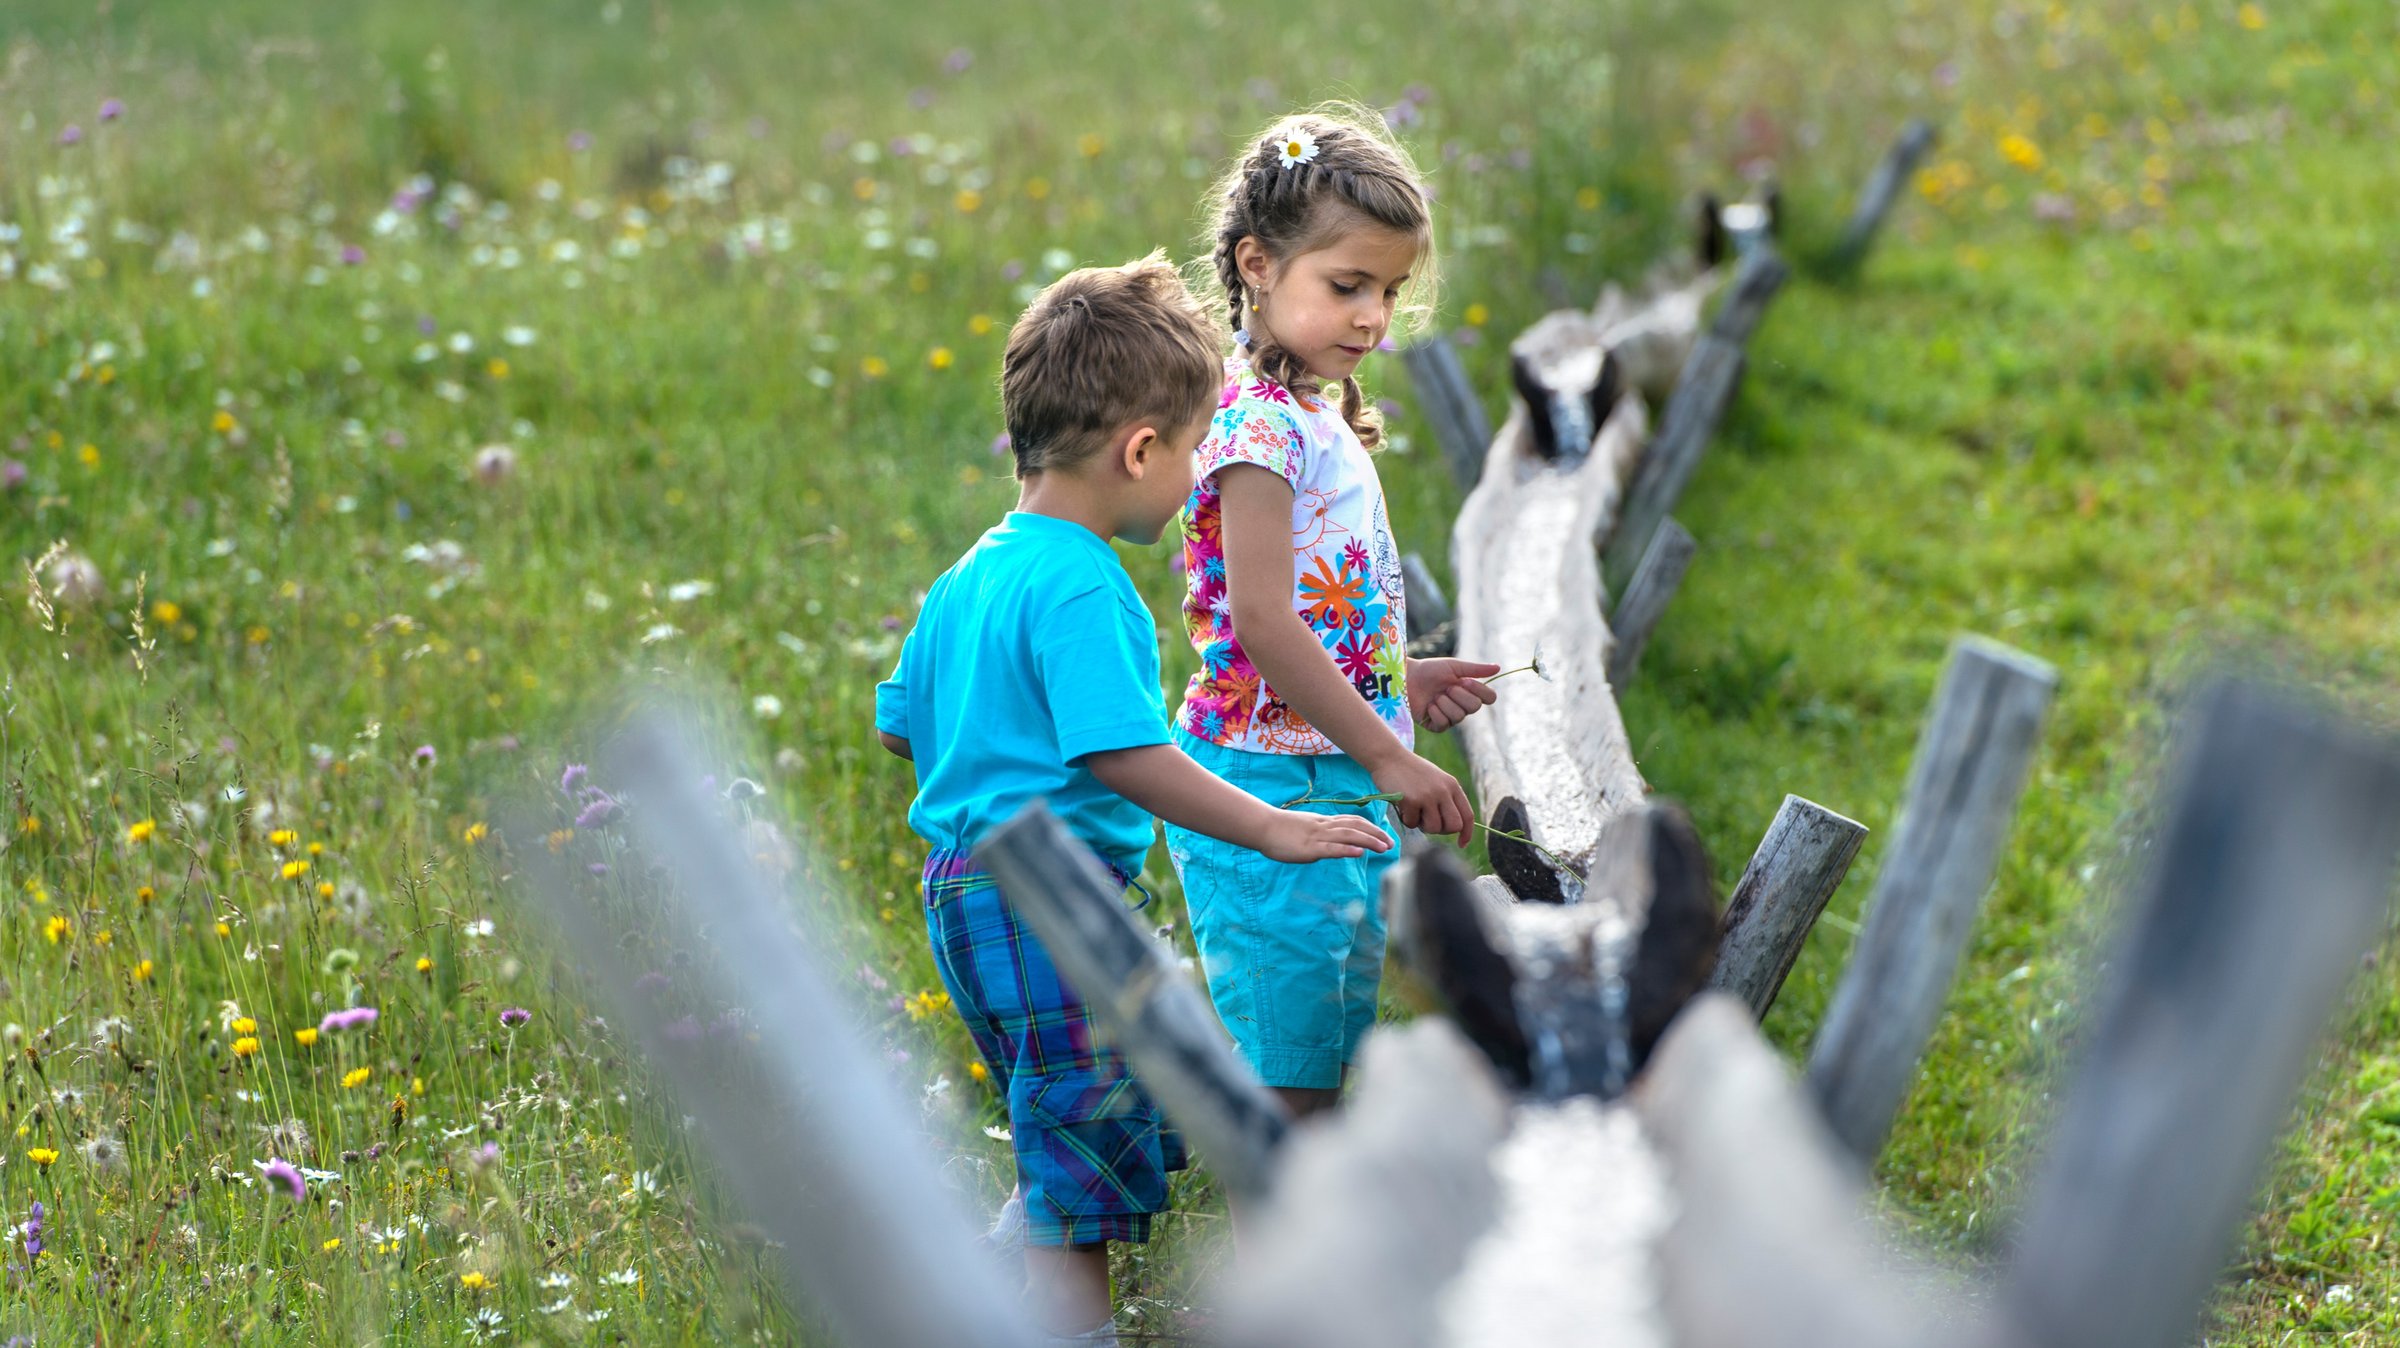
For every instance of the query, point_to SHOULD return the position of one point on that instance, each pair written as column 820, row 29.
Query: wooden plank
column 1794, row 872
column 1145, row 1004
column 1883, row 189
column 1769, row 1248
column 1970, row 767
column 823, row 1152
column 1702, row 395
column 1528, row 587
column 2272, row 874
column 1646, row 597
column 1451, row 407
column 1376, row 1205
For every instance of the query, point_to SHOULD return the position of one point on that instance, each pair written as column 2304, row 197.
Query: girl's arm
column 1257, row 525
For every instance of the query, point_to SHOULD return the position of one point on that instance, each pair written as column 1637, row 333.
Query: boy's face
column 1166, row 481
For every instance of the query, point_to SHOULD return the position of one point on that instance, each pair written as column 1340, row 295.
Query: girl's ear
column 1250, row 258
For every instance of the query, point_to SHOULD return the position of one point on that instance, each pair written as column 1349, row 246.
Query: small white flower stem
column 1534, row 668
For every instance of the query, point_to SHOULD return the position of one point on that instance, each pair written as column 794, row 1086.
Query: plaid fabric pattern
column 1093, row 1152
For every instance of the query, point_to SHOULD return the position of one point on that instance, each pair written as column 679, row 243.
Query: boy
column 1033, row 673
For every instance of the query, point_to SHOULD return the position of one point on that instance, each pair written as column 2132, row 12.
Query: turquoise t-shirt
column 1032, row 651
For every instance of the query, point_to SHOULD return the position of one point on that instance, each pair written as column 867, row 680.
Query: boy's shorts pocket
column 1090, row 1144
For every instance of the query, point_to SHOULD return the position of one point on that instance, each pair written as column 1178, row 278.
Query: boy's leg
column 1066, row 1289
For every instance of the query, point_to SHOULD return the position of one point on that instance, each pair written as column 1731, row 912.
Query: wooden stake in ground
column 1646, row 597
column 1451, row 408
column 1883, row 189
column 2272, row 873
column 1798, row 866
column 1970, row 767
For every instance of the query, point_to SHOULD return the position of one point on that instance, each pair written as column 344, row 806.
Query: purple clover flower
column 1003, row 443
column 424, row 756
column 12, row 474
column 601, row 809
column 515, row 1016
column 280, row 1173
column 958, row 61
column 573, row 777
column 72, row 135
column 350, row 1019
column 485, row 1156
column 111, row 109
column 352, row 254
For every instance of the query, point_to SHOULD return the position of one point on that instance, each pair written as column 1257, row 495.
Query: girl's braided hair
column 1359, row 175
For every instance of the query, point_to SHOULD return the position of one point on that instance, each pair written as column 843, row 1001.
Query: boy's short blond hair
column 1101, row 349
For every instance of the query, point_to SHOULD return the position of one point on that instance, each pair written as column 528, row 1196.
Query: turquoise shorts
column 1293, row 954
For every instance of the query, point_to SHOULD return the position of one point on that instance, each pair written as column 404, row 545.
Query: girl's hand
column 1430, row 799
column 1298, row 837
column 1442, row 693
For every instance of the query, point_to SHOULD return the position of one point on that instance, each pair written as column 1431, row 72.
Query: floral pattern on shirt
column 1345, row 571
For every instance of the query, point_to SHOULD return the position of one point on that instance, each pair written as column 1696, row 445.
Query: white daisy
column 1294, row 148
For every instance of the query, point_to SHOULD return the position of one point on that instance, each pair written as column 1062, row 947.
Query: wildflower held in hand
column 282, row 1175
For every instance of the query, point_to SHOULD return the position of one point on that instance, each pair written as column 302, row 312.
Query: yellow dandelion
column 44, row 1157
column 864, row 188
column 144, row 894
column 331, row 1245
column 558, row 840
column 103, row 936
column 1587, row 199
column 979, row 1072
column 324, row 889
column 108, row 374
column 498, row 369
column 874, row 367
column 257, row 635
column 968, row 201
column 166, row 612
column 928, row 1003
column 223, row 930
column 305, row 1035
column 941, row 358
column 473, row 1282
column 416, row 1085
column 1037, row 188
column 294, row 869
column 424, row 964
column 141, row 830
column 476, row 832
column 356, row 1077
column 58, row 929
column 2021, row 152
column 316, row 849
column 282, row 837
column 141, row 971
column 245, row 1046
column 244, row 1025
column 980, row 325
column 1090, row 144
column 90, row 454
column 29, row 826
column 1477, row 315
column 222, row 423
column 2251, row 17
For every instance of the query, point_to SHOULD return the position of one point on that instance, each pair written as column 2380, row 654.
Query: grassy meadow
column 384, row 390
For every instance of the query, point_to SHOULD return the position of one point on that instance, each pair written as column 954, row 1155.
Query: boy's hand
column 1430, row 799
column 1298, row 837
column 1444, row 692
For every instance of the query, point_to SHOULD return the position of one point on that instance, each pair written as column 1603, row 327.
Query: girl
column 1305, row 696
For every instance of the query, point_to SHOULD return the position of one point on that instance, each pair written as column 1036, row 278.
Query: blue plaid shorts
column 1093, row 1151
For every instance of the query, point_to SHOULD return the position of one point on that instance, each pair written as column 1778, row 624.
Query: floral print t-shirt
column 1345, row 570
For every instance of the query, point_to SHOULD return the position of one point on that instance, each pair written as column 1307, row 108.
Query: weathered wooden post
column 1970, row 767
column 1451, row 408
column 1646, row 596
column 1798, row 866
column 1701, row 398
column 2272, row 873
column 1432, row 627
column 822, row 1147
column 1882, row 190
column 1161, row 1021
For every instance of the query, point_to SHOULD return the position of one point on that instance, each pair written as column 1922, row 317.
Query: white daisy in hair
column 1295, row 147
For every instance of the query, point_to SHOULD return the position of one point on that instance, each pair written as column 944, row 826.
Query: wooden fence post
column 822, row 1150
column 1970, row 767
column 1701, row 397
column 1645, row 598
column 2271, row 875
column 1432, row 627
column 1152, row 1011
column 1882, row 190
column 1798, row 866
column 1451, row 408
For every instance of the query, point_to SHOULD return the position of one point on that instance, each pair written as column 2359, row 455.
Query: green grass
column 2125, row 442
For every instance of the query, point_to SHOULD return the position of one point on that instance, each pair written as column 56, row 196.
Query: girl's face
column 1332, row 305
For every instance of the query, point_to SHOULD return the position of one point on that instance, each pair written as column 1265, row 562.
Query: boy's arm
column 896, row 744
column 1164, row 780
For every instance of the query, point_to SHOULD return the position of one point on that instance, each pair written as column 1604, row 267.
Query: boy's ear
column 1142, row 444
